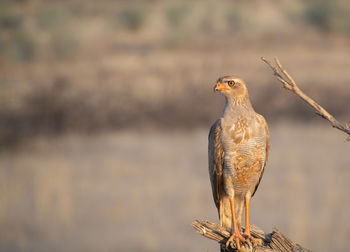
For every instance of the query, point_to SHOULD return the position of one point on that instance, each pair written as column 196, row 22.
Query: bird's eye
column 231, row 83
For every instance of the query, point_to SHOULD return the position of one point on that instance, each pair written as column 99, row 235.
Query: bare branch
column 288, row 83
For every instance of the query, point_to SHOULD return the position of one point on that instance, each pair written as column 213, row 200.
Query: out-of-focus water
column 140, row 191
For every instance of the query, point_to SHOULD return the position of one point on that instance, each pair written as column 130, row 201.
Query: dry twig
column 288, row 83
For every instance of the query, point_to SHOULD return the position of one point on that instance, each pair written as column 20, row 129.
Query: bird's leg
column 247, row 228
column 235, row 235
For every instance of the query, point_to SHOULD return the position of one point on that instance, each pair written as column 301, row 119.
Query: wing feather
column 215, row 158
column 266, row 151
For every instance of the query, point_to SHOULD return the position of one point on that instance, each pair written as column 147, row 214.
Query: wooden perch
column 272, row 242
column 288, row 83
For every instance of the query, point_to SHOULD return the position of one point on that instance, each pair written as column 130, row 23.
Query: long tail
column 225, row 214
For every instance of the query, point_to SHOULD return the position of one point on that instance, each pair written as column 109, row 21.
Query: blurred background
column 105, row 107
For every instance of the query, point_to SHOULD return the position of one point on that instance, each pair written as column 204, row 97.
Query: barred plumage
column 238, row 149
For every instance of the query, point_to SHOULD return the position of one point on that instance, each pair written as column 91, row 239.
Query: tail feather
column 225, row 215
column 239, row 213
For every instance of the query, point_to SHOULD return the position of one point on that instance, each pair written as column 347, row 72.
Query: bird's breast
column 244, row 143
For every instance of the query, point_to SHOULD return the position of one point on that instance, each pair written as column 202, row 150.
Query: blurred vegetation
column 15, row 43
column 329, row 16
column 132, row 19
column 56, row 25
column 89, row 66
column 176, row 14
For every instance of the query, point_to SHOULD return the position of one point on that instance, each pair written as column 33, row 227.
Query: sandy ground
column 140, row 191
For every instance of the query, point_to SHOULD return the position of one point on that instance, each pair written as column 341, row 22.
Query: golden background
column 105, row 107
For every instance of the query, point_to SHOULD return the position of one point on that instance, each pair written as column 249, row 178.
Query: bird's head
column 231, row 86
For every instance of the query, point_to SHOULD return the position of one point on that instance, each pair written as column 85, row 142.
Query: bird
column 238, row 147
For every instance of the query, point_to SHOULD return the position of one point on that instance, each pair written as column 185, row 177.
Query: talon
column 256, row 241
column 238, row 237
column 243, row 240
column 233, row 236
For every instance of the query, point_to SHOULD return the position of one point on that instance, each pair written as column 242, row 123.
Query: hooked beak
column 220, row 87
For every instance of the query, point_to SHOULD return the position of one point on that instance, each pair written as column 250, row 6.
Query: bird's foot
column 255, row 241
column 238, row 237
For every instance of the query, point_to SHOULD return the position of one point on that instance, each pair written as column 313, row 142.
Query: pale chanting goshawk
column 238, row 150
